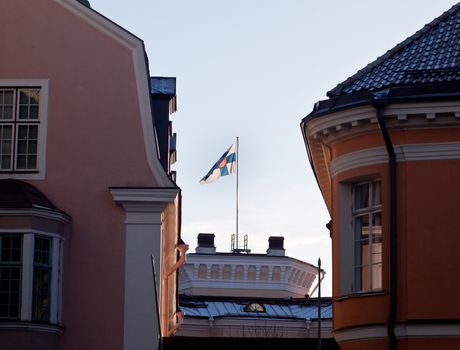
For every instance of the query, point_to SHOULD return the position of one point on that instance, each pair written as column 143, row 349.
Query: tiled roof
column 431, row 55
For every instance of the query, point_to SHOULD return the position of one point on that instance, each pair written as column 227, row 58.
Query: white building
column 239, row 294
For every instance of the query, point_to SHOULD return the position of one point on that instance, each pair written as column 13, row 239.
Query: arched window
column 254, row 307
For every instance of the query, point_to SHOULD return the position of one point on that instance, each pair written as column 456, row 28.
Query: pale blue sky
column 255, row 69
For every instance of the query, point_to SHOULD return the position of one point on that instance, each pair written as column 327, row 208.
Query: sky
column 254, row 69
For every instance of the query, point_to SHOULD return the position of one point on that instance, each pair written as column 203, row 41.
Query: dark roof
column 15, row 194
column 85, row 2
column 431, row 55
column 163, row 86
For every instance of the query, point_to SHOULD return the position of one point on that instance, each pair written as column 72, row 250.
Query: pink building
column 85, row 199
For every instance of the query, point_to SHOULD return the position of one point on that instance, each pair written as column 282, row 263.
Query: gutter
column 379, row 101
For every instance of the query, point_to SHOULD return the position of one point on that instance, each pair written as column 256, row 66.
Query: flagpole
column 237, row 193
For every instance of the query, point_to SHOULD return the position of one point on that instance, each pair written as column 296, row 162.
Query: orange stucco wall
column 94, row 141
column 428, row 239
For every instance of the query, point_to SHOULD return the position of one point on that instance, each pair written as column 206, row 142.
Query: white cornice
column 406, row 114
column 136, row 46
column 41, row 213
column 144, row 195
column 409, row 152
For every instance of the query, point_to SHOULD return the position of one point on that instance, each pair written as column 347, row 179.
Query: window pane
column 7, row 112
column 33, row 132
column 8, row 97
column 41, row 294
column 28, row 104
column 377, row 276
column 33, row 112
column 6, row 147
column 32, row 147
column 22, row 147
column 361, row 194
column 6, row 104
column 376, row 194
column 42, row 251
column 7, row 132
column 6, row 162
column 23, row 112
column 21, row 162
column 23, row 98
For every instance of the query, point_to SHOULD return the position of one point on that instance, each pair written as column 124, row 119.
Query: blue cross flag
column 224, row 166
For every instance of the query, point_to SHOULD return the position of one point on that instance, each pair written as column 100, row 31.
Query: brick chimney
column 205, row 244
column 276, row 246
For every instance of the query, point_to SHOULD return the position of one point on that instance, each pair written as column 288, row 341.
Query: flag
column 224, row 166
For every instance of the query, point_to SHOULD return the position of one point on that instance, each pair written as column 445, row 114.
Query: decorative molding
column 428, row 330
column 409, row 152
column 40, row 213
column 136, row 46
column 32, row 327
column 144, row 195
column 353, row 117
column 29, row 230
column 402, row 331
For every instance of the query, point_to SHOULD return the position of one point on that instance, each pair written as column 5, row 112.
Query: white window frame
column 28, row 239
column 346, row 238
column 39, row 172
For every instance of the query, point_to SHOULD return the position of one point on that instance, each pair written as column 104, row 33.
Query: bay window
column 27, row 269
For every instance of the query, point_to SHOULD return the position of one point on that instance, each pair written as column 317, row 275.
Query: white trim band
column 401, row 331
column 410, row 152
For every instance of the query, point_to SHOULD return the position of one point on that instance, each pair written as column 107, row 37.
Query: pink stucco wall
column 94, row 141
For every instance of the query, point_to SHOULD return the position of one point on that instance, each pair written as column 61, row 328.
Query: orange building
column 385, row 149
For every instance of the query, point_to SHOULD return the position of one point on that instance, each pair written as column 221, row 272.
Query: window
column 41, row 279
column 10, row 276
column 23, row 128
column 254, row 307
column 367, row 232
column 19, row 124
column 28, row 276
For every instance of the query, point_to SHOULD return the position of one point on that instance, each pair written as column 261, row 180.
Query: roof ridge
column 396, row 49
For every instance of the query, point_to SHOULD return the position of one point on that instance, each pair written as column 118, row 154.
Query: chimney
column 276, row 246
column 205, row 244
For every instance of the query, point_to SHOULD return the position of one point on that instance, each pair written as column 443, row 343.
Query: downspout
column 164, row 287
column 180, row 319
column 379, row 101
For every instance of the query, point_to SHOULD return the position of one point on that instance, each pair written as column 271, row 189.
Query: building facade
column 85, row 199
column 385, row 149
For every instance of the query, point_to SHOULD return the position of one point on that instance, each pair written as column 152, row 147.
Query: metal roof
column 203, row 307
column 16, row 194
column 431, row 55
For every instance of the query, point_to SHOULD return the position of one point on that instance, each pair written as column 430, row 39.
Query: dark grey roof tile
column 421, row 58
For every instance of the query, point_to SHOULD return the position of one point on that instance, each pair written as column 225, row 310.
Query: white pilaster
column 55, row 265
column 144, row 225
